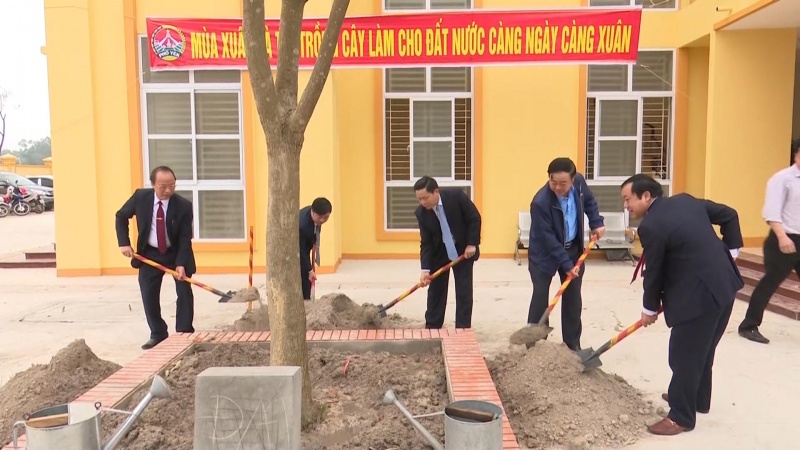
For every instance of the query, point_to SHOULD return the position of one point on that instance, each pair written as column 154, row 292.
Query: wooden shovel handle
column 56, row 420
column 471, row 414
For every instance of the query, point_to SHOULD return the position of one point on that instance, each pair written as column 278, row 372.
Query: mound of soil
column 550, row 402
column 354, row 418
column 330, row 312
column 71, row 372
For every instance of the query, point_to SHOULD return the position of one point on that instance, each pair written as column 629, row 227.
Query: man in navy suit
column 449, row 226
column 165, row 236
column 556, row 243
column 691, row 273
column 311, row 219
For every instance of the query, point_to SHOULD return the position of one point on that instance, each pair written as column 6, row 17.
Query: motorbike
column 17, row 202
column 34, row 200
column 5, row 208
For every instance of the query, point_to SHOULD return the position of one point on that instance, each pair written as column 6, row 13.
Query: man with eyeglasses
column 164, row 223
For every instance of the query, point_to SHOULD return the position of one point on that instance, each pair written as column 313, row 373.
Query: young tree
column 4, row 94
column 284, row 121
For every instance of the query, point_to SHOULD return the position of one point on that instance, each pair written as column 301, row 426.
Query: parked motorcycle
column 35, row 200
column 17, row 201
column 5, row 208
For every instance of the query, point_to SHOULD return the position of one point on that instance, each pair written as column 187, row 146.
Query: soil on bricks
column 355, row 418
column 70, row 373
column 551, row 403
column 330, row 312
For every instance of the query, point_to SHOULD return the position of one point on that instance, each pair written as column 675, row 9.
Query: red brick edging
column 468, row 377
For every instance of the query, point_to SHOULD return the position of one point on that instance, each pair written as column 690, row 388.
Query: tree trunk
column 286, row 306
column 3, row 132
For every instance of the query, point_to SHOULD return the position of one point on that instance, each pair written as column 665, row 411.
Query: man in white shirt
column 782, row 213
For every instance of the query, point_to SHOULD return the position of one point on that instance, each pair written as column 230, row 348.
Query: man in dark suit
column 691, row 273
column 164, row 222
column 449, row 226
column 556, row 243
column 311, row 220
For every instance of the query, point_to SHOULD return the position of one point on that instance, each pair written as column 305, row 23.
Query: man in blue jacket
column 556, row 243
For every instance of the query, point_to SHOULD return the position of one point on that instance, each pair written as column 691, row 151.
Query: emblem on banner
column 168, row 42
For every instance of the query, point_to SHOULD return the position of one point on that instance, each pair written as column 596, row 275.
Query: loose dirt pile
column 550, row 402
column 354, row 418
column 71, row 372
column 331, row 312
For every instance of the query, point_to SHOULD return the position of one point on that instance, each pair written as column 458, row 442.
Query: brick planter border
column 468, row 377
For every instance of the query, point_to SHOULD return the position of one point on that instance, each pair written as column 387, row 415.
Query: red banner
column 470, row 38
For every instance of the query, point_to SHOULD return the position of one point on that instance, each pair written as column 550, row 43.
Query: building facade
column 707, row 109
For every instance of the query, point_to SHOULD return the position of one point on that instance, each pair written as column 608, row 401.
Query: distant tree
column 4, row 94
column 33, row 152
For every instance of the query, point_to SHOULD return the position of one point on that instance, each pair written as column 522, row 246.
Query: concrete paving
column 755, row 390
column 18, row 233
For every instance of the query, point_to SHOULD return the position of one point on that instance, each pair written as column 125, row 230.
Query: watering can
column 77, row 426
column 468, row 424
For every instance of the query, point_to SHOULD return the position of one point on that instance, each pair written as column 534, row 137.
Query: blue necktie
column 447, row 236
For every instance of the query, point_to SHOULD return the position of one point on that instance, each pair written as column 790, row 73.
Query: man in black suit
column 311, row 220
column 449, row 225
column 164, row 222
column 691, row 273
column 556, row 243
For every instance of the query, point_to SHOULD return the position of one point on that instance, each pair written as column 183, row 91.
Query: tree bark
column 284, row 125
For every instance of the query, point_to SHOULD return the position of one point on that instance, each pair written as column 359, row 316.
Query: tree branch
column 3, row 133
column 253, row 19
column 322, row 66
column 289, row 52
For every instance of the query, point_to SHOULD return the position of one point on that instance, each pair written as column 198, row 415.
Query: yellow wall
column 751, row 78
column 796, row 112
column 697, row 96
column 523, row 117
column 9, row 163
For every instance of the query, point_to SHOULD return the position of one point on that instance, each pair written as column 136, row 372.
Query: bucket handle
column 14, row 432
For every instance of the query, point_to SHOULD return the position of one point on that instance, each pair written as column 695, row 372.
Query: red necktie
column 161, row 230
column 638, row 267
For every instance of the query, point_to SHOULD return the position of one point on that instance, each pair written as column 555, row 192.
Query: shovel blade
column 227, row 297
column 381, row 311
column 589, row 359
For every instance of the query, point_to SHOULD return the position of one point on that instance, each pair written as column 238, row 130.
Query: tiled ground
column 467, row 375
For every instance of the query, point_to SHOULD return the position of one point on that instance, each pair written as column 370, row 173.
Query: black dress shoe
column 151, row 343
column 753, row 335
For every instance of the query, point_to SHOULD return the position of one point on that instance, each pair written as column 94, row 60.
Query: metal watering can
column 468, row 424
column 76, row 426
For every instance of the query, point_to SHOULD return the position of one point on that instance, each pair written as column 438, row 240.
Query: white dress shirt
column 782, row 202
column 152, row 239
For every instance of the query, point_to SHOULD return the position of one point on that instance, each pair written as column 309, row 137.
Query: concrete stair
column 786, row 300
column 35, row 258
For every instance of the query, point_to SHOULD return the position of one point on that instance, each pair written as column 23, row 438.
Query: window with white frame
column 645, row 4
column 426, row 4
column 629, row 118
column 192, row 122
column 428, row 131
column 427, row 127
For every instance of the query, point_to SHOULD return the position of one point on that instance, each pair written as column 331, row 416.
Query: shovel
column 224, row 297
column 382, row 309
column 591, row 358
column 314, row 269
column 538, row 331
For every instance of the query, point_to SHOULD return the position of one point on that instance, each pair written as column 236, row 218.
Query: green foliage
column 32, row 152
